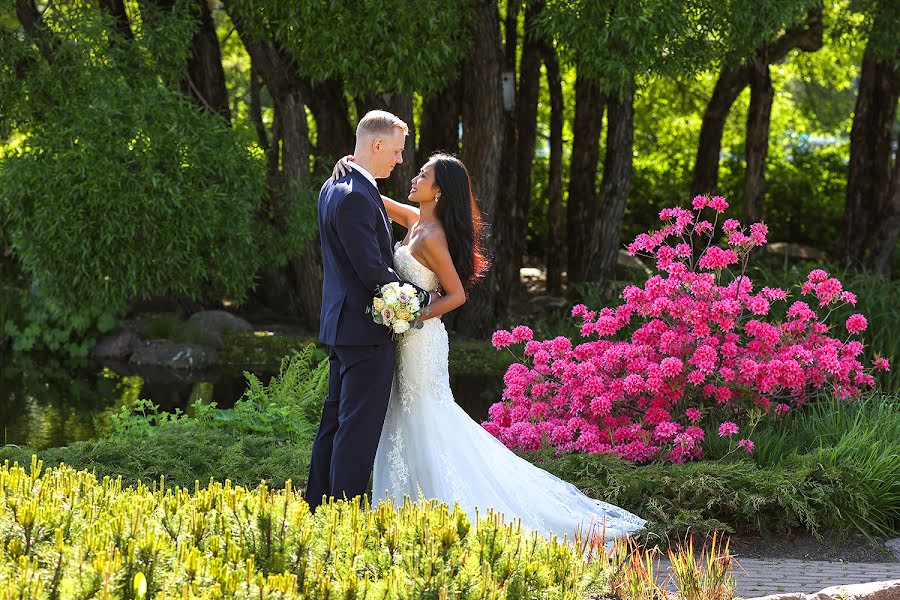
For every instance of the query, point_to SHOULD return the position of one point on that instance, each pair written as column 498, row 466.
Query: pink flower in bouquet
column 522, row 334
column 728, row 429
column 881, row 364
column 699, row 202
column 747, row 445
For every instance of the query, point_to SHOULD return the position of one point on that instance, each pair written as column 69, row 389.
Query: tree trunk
column 335, row 137
column 295, row 289
column 505, row 264
column 757, row 144
column 869, row 171
column 482, row 143
column 555, row 246
column 885, row 239
column 439, row 129
column 32, row 23
column 526, row 125
column 255, row 109
column 617, row 168
column 205, row 76
column 706, row 167
column 204, row 81
column 582, row 209
column 732, row 80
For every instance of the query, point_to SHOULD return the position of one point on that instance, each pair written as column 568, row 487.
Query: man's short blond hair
column 379, row 123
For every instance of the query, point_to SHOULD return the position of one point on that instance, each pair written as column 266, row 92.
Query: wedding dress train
column 429, row 447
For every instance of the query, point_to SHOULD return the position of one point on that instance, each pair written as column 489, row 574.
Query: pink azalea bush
column 693, row 350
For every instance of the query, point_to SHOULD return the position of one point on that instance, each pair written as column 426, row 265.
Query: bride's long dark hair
column 458, row 213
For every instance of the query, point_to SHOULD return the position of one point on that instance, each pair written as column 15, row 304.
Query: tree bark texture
column 869, row 175
column 617, row 169
column 757, row 143
column 806, row 36
column 583, row 201
column 555, row 247
column 439, row 129
column 295, row 289
column 482, row 144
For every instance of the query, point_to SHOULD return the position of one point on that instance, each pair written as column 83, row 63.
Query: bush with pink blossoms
column 692, row 351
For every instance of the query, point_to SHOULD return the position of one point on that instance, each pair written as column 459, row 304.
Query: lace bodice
column 412, row 270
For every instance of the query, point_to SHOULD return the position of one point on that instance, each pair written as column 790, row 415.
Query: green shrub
column 95, row 537
column 811, row 491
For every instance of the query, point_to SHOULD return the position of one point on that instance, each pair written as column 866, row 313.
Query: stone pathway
column 762, row 577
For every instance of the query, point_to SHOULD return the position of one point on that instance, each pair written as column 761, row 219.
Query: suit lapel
column 376, row 198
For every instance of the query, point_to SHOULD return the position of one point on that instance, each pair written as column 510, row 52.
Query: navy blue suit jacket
column 357, row 256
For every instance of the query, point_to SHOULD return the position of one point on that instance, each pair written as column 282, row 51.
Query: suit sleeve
column 355, row 221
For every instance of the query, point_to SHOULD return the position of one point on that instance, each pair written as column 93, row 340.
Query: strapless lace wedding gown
column 431, row 448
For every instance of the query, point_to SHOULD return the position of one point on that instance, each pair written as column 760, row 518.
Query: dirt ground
column 832, row 546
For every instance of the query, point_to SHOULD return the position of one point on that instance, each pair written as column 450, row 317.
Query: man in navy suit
column 357, row 254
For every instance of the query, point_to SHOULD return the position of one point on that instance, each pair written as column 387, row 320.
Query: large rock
column 164, row 353
column 894, row 546
column 206, row 327
column 117, row 345
column 879, row 590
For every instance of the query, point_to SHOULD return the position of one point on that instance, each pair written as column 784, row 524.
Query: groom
column 357, row 254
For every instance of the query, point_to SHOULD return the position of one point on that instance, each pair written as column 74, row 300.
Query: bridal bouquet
column 397, row 306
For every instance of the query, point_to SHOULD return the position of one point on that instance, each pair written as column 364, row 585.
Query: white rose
column 401, row 327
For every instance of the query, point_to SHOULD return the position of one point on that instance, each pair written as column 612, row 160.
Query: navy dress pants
column 343, row 453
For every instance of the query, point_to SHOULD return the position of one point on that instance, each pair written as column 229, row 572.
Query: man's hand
column 342, row 167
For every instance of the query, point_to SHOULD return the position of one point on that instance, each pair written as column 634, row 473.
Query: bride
column 429, row 447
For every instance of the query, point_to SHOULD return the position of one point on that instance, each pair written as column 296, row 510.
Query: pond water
column 47, row 401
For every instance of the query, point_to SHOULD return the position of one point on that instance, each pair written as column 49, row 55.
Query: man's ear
column 377, row 143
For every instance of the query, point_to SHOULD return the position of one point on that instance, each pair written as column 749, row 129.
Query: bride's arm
column 434, row 249
column 403, row 214
column 400, row 213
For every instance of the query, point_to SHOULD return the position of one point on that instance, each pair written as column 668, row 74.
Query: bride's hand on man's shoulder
column 343, row 166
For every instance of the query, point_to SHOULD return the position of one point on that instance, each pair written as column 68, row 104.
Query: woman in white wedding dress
column 429, row 447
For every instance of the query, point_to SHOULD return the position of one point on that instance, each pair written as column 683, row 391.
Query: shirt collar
column 365, row 174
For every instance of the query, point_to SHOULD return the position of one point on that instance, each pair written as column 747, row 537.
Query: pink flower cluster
column 702, row 352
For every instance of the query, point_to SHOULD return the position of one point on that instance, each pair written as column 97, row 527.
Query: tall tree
column 753, row 37
column 871, row 206
column 482, row 144
column 757, row 144
column 204, row 78
column 613, row 44
column 555, row 249
column 521, row 129
column 318, row 67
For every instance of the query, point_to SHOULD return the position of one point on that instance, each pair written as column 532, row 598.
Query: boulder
column 116, row 345
column 217, row 321
column 172, row 355
column 894, row 546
